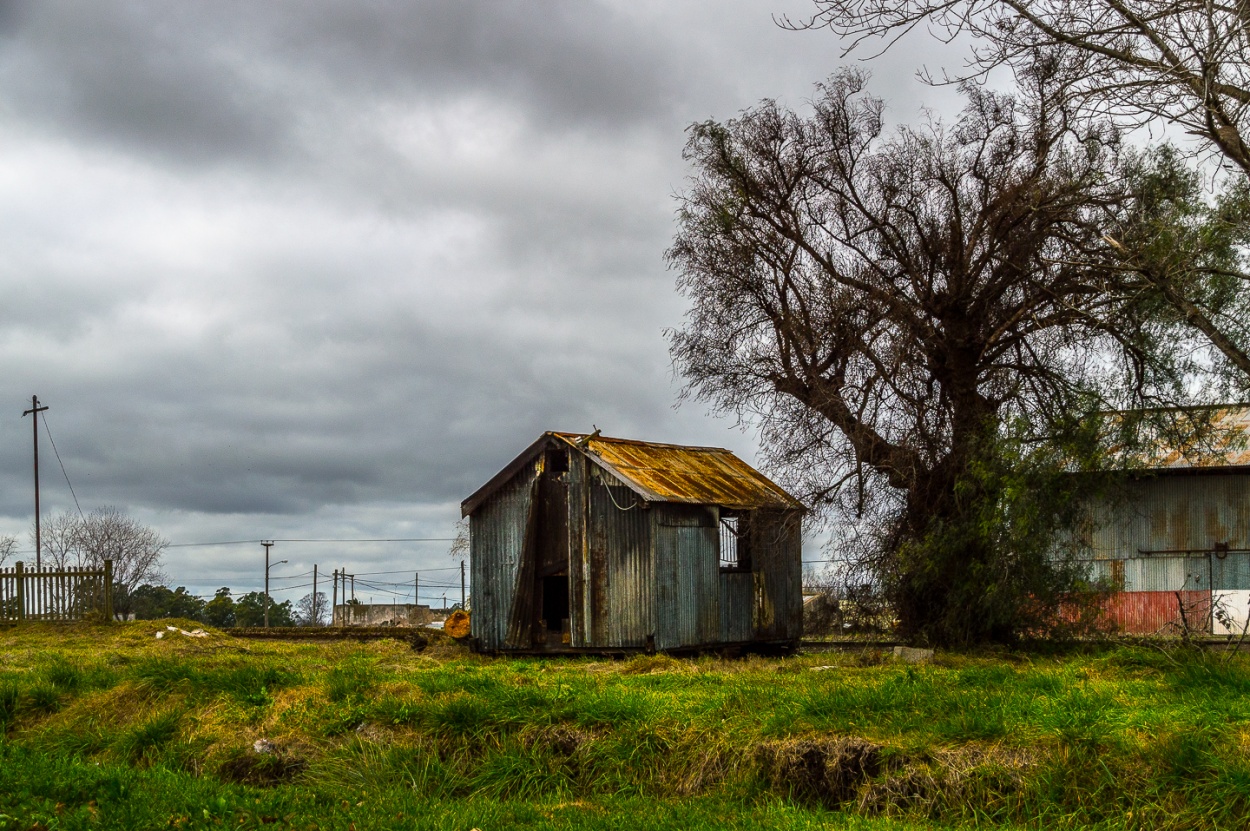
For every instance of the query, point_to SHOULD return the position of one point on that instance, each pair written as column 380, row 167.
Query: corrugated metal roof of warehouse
column 1229, row 444
column 680, row 473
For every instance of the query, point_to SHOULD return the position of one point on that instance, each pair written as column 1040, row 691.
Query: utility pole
column 416, row 588
column 267, row 547
column 316, row 607
column 353, row 588
column 462, row 598
column 334, row 598
column 34, row 412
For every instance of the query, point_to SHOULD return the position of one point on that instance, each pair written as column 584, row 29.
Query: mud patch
column 559, row 740
column 825, row 771
column 247, row 767
column 946, row 779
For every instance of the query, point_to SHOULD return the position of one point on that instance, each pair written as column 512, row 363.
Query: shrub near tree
column 220, row 610
column 249, row 610
column 149, row 602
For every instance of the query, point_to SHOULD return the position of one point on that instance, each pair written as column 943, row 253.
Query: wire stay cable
column 48, row 431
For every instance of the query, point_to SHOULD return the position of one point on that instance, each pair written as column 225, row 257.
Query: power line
column 57, row 453
column 254, row 542
column 405, row 571
column 382, row 539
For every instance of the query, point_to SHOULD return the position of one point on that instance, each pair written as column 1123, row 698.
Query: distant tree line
column 224, row 611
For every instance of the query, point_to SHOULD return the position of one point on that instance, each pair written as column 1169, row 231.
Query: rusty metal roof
column 1225, row 443
column 680, row 473
column 659, row 472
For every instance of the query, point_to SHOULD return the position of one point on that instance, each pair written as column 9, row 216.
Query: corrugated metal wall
column 1148, row 602
column 1175, row 513
column 635, row 571
column 737, row 599
column 620, row 556
column 1230, row 592
column 496, row 537
column 687, row 571
column 1169, row 536
column 579, row 552
column 776, row 550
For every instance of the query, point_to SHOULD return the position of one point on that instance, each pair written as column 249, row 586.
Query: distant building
column 382, row 614
column 1179, row 538
column 588, row 543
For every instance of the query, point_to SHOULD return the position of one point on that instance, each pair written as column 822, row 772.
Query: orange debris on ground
column 457, row 624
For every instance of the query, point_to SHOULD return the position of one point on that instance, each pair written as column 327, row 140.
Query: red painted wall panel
column 1157, row 613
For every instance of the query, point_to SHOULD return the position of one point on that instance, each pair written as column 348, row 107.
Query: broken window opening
column 557, row 461
column 735, row 549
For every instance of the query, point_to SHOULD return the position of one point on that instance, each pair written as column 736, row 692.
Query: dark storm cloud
column 139, row 75
column 202, row 81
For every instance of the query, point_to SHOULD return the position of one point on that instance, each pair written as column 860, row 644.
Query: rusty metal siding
column 1174, row 513
column 642, row 548
column 683, row 474
column 620, row 542
column 1159, row 539
column 1149, row 587
column 1226, row 444
column 1156, row 612
column 496, row 538
column 1230, row 592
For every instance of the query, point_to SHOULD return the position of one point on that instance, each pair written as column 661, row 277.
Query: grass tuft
column 150, row 736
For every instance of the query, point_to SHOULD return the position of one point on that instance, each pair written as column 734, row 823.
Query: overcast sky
column 319, row 269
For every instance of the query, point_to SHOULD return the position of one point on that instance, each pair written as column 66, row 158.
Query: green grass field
column 110, row 727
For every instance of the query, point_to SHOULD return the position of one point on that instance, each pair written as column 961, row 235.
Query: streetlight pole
column 268, row 544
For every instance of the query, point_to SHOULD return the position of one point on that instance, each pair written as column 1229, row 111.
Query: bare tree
column 1184, row 62
column 107, row 533
column 8, row 547
column 62, row 541
column 886, row 307
column 312, row 609
column 460, row 543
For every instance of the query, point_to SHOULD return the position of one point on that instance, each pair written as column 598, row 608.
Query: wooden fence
column 66, row 595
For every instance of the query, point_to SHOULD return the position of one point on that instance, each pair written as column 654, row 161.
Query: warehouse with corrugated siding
column 1175, row 543
column 585, row 543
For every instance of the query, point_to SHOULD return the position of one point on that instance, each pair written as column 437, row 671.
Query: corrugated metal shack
column 588, row 543
column 1182, row 530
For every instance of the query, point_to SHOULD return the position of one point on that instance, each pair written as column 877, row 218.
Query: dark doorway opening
column 556, row 607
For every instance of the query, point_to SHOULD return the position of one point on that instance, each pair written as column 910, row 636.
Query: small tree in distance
column 219, row 611
column 8, row 548
column 149, row 602
column 249, row 610
column 72, row 540
column 311, row 610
